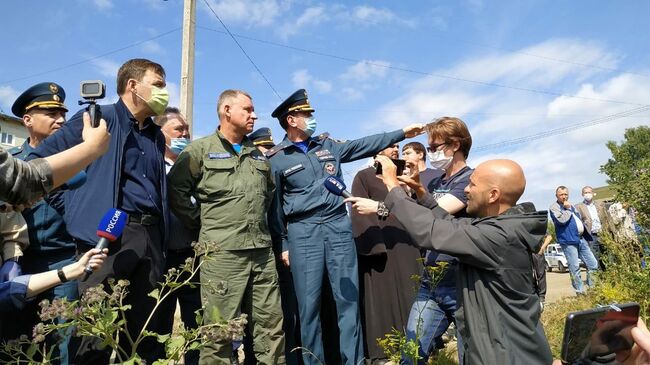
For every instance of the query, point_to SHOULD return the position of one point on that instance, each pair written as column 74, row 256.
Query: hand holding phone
column 401, row 165
column 599, row 331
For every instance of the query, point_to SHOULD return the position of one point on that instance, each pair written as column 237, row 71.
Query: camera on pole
column 91, row 91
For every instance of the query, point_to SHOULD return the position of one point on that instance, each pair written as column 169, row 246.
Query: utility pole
column 187, row 62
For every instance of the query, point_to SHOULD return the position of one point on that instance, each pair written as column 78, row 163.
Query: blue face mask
column 310, row 126
column 177, row 145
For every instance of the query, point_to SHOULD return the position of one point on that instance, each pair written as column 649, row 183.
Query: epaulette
column 277, row 148
column 16, row 150
column 324, row 136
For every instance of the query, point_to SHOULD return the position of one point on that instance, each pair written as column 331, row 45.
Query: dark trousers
column 137, row 257
column 189, row 300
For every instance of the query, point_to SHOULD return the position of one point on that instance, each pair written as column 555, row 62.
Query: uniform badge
column 219, row 155
column 293, row 169
column 330, row 168
column 54, row 89
column 56, row 97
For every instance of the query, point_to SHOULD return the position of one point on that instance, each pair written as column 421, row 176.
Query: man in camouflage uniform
column 232, row 184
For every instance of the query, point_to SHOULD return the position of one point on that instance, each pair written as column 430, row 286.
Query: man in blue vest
column 311, row 226
column 571, row 234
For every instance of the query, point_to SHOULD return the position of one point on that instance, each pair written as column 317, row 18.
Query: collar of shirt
column 126, row 115
column 246, row 144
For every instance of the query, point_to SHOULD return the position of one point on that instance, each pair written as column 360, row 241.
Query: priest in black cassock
column 387, row 262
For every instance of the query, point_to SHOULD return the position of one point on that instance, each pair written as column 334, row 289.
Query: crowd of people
column 319, row 280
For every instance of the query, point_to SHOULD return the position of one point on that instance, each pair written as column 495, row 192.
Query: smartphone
column 401, row 165
column 599, row 331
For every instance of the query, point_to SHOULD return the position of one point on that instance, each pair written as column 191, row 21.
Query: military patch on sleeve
column 218, row 155
column 330, row 168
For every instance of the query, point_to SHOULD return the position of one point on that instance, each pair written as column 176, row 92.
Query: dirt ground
column 558, row 286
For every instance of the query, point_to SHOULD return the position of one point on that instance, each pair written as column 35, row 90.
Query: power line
column 242, row 49
column 91, row 58
column 423, row 73
column 561, row 130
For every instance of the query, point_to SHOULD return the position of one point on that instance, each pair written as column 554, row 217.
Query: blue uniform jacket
column 13, row 293
column 300, row 193
column 85, row 206
column 47, row 231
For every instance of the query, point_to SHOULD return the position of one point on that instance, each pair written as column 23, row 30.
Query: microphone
column 336, row 186
column 109, row 229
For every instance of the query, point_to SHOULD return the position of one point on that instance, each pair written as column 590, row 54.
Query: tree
column 629, row 171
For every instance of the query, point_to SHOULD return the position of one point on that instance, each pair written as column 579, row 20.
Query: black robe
column 387, row 262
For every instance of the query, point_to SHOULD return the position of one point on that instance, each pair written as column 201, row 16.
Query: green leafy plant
column 100, row 313
column 395, row 343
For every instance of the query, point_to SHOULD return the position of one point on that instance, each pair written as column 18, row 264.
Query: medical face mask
column 310, row 126
column 438, row 160
column 159, row 99
column 588, row 196
column 177, row 145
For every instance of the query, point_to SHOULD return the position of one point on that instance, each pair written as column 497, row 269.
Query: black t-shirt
column 438, row 187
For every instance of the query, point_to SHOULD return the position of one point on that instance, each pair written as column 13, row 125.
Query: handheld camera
column 91, row 91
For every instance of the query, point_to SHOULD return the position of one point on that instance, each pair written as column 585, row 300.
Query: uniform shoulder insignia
column 326, row 135
column 16, row 150
column 275, row 149
column 323, row 136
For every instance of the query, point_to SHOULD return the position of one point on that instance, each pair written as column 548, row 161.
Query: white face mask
column 588, row 196
column 438, row 160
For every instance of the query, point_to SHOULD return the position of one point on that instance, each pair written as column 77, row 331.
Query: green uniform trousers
column 246, row 280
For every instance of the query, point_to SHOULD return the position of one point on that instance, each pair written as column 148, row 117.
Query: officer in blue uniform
column 311, row 226
column 51, row 247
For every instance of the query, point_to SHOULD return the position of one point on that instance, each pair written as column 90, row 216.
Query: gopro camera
column 92, row 90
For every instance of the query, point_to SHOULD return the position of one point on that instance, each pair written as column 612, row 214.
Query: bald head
column 495, row 186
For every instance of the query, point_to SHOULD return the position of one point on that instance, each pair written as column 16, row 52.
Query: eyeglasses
column 436, row 147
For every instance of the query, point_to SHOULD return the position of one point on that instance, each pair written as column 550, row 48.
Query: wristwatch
column 61, row 275
column 382, row 211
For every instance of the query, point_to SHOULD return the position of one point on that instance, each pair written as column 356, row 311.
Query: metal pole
column 187, row 62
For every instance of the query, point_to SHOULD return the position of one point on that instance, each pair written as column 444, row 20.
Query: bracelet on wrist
column 382, row 211
column 61, row 275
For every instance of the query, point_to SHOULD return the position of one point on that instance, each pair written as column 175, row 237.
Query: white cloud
column 368, row 15
column 311, row 17
column 495, row 114
column 288, row 22
column 363, row 76
column 152, row 47
column 7, row 97
column 303, row 79
column 251, row 13
column 366, row 70
column 103, row 4
column 105, row 67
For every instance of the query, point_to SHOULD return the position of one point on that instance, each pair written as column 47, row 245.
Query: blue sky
column 510, row 69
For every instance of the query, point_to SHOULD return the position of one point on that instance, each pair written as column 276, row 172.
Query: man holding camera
column 130, row 177
column 498, row 309
column 312, row 226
